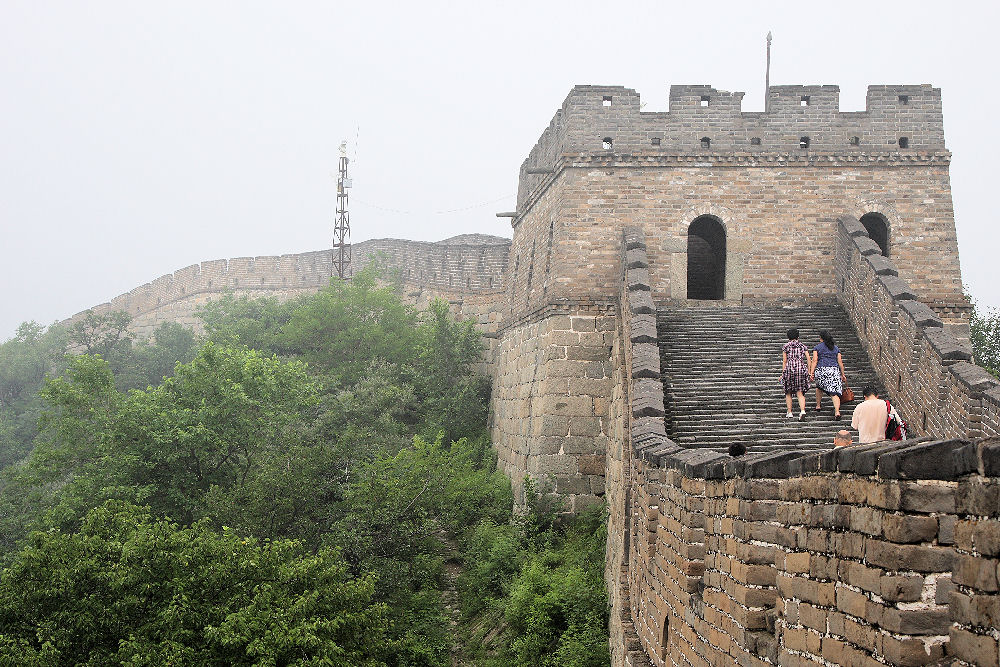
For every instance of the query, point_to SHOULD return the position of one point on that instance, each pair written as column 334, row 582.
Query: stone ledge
column 643, row 328
column 637, row 280
column 867, row 246
column 882, row 265
column 973, row 377
column 898, row 289
column 641, row 303
column 852, row 226
column 646, row 361
column 635, row 258
column 946, row 345
column 921, row 314
column 915, row 459
column 945, row 459
column 647, row 398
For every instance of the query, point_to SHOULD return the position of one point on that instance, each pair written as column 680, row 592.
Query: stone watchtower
column 736, row 208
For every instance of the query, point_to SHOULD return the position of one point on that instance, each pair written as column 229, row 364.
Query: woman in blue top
column 826, row 369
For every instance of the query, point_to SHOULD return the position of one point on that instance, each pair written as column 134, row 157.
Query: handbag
column 848, row 395
column 895, row 427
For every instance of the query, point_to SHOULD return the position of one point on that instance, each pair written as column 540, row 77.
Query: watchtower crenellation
column 702, row 119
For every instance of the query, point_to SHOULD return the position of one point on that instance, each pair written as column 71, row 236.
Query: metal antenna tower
column 342, row 224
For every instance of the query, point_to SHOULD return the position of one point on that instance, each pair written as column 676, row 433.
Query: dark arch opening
column 878, row 229
column 706, row 266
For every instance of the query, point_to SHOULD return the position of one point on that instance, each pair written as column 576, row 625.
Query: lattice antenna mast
column 342, row 224
column 767, row 75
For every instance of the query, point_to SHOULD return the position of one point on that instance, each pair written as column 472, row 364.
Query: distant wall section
column 467, row 271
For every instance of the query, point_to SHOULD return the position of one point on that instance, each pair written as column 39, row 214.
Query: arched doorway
column 706, row 259
column 878, row 229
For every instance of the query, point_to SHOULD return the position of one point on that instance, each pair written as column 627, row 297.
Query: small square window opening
column 656, row 141
column 704, row 100
column 706, row 142
column 606, row 101
column 607, row 143
column 855, row 141
column 755, row 141
column 904, row 99
column 904, row 142
column 803, row 142
column 804, row 102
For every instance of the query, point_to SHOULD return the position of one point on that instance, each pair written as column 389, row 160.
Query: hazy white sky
column 137, row 138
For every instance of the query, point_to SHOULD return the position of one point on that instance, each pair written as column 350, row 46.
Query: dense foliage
column 985, row 335
column 294, row 488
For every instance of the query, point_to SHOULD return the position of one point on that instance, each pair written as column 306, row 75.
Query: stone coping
column 915, row 459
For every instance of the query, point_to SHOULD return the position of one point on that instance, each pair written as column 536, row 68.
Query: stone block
column 973, row 377
column 584, row 426
column 907, row 556
column 587, row 353
column 633, row 238
column 636, row 259
column 852, row 226
column 882, row 265
column 909, row 528
column 897, row 288
column 946, row 345
column 974, row 649
column 645, row 361
column 647, row 398
column 989, row 454
column 637, row 280
column 867, row 246
column 978, row 498
column 976, row 572
column 945, row 459
column 921, row 314
column 643, row 328
column 770, row 466
column 641, row 303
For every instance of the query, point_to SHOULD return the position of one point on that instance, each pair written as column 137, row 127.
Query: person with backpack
column 876, row 419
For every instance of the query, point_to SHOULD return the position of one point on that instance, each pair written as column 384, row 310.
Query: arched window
column 878, row 229
column 706, row 265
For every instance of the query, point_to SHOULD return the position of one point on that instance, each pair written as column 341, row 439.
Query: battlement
column 701, row 120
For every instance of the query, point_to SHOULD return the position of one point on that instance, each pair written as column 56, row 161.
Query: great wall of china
column 795, row 553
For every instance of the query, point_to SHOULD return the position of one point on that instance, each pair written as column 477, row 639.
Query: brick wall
column 470, row 275
column 780, row 220
column 868, row 555
column 778, row 203
column 550, row 409
column 923, row 362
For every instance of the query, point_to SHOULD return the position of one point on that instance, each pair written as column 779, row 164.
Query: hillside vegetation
column 290, row 489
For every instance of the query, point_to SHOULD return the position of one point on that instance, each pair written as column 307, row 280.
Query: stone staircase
column 721, row 375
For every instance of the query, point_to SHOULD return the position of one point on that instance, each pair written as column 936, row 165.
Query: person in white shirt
column 870, row 417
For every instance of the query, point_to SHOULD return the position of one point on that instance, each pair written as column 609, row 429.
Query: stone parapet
column 925, row 364
column 703, row 121
column 469, row 273
column 879, row 554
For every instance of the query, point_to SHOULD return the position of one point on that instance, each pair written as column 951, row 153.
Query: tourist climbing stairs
column 722, row 370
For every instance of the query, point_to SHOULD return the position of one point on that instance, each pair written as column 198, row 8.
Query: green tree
column 171, row 344
column 215, row 423
column 454, row 395
column 985, row 337
column 130, row 589
column 253, row 322
column 347, row 326
column 33, row 354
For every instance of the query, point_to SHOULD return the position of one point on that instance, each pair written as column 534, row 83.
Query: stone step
column 721, row 370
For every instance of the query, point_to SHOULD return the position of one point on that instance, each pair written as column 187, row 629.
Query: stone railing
column 925, row 366
column 877, row 554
